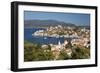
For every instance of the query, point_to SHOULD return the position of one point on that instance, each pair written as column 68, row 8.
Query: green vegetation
column 35, row 52
column 63, row 55
column 81, row 53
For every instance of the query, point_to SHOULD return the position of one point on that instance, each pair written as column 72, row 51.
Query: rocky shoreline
column 57, row 32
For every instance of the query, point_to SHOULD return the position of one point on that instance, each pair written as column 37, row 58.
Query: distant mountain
column 44, row 23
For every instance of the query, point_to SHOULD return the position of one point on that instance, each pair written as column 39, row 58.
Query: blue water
column 41, row 40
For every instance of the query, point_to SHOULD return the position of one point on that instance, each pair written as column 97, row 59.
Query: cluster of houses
column 81, row 40
column 56, row 31
column 56, row 49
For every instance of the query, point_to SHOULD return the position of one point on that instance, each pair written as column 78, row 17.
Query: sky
column 75, row 18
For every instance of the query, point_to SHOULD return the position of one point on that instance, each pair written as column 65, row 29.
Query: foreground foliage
column 34, row 52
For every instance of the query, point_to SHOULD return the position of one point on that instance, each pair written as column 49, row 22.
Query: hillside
column 44, row 23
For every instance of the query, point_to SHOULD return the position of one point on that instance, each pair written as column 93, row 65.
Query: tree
column 63, row 55
column 34, row 52
column 81, row 53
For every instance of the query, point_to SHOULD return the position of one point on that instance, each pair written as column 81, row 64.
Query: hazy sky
column 75, row 18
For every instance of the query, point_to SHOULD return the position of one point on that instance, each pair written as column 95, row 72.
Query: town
column 78, row 47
